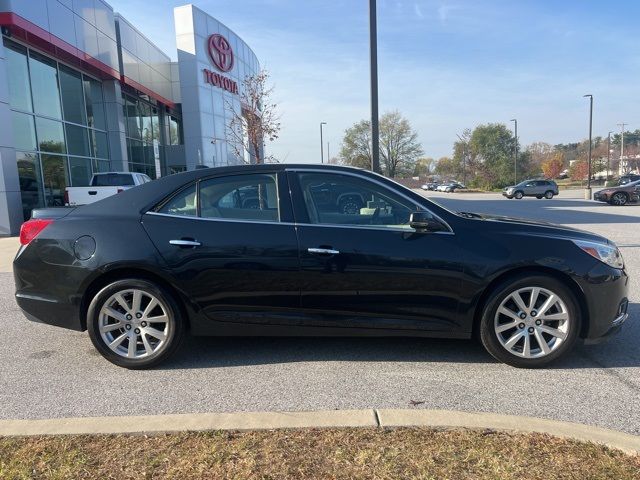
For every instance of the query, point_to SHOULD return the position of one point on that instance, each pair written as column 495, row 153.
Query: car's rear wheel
column 518, row 195
column 538, row 197
column 548, row 194
column 619, row 199
column 530, row 321
column 135, row 323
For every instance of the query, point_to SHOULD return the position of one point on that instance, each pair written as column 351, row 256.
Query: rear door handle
column 185, row 243
column 323, row 251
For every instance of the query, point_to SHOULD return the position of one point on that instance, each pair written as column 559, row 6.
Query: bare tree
column 399, row 145
column 257, row 120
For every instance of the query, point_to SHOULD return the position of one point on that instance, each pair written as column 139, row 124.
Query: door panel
column 241, row 269
column 381, row 279
column 374, row 271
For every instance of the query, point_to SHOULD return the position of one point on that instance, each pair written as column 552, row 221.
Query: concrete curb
column 319, row 419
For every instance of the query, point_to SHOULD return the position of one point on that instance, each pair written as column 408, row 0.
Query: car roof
column 134, row 201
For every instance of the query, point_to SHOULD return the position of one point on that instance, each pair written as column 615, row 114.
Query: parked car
column 450, row 187
column 140, row 269
column 620, row 195
column 103, row 185
column 429, row 186
column 532, row 188
column 631, row 177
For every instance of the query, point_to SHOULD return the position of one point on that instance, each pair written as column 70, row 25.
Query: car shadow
column 216, row 352
column 554, row 211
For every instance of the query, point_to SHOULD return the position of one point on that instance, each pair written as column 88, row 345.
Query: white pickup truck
column 103, row 185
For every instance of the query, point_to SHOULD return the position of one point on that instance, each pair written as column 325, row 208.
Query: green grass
column 314, row 454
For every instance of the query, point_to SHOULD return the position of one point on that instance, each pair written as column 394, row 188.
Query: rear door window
column 183, row 203
column 240, row 197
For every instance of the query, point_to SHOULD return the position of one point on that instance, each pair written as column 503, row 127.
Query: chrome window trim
column 377, row 182
column 292, row 224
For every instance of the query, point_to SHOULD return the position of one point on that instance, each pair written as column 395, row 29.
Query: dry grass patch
column 314, row 454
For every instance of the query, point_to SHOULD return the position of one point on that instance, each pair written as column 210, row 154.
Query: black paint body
column 257, row 278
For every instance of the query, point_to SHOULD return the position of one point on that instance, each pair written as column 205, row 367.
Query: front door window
column 334, row 199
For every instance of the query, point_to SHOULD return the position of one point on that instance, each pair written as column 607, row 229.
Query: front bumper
column 615, row 328
column 601, row 197
column 606, row 295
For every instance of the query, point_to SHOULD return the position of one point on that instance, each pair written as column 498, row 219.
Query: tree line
column 483, row 156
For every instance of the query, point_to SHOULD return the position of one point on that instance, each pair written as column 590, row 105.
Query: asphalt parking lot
column 49, row 372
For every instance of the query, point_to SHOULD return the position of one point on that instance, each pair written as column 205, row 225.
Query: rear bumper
column 44, row 292
column 50, row 311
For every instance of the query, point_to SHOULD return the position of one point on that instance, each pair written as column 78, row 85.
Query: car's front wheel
column 619, row 199
column 135, row 323
column 530, row 321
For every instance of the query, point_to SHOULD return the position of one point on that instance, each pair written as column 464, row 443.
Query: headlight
column 608, row 254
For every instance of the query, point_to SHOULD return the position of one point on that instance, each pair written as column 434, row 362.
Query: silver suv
column 532, row 188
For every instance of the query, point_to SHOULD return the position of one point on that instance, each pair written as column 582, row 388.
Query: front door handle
column 323, row 251
column 185, row 243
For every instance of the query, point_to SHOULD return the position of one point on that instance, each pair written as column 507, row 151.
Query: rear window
column 112, row 180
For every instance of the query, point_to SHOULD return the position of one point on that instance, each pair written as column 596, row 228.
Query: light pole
column 608, row 155
column 621, row 167
column 321, row 143
column 515, row 153
column 328, row 152
column 587, row 193
column 373, row 60
column 464, row 160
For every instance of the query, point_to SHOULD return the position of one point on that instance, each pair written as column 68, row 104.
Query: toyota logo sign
column 220, row 52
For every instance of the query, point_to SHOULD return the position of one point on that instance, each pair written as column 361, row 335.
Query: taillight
column 32, row 228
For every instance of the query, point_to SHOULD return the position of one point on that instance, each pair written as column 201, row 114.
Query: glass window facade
column 148, row 131
column 59, row 126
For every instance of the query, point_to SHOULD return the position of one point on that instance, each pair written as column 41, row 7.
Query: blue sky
column 445, row 65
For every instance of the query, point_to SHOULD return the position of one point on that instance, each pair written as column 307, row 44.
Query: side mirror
column 425, row 222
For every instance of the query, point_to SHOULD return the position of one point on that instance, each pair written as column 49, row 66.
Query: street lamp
column 587, row 193
column 608, row 155
column 464, row 160
column 622, row 165
column 373, row 60
column 515, row 152
column 321, row 143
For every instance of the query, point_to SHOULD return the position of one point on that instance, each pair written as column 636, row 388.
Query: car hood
column 537, row 226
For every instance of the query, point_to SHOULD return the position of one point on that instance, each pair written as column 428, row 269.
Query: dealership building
column 82, row 90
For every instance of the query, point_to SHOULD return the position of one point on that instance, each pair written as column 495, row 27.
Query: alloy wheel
column 532, row 322
column 519, row 195
column 548, row 195
column 134, row 324
column 619, row 199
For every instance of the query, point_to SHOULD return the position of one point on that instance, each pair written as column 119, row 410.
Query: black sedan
column 187, row 253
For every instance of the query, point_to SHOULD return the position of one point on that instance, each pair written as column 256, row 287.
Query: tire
column 498, row 331
column 539, row 197
column 518, row 195
column 111, row 317
column 619, row 199
column 548, row 194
